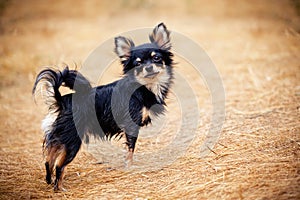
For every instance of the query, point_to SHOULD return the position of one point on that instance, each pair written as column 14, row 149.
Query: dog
column 106, row 111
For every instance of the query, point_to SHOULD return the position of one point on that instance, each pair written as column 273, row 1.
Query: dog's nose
column 149, row 68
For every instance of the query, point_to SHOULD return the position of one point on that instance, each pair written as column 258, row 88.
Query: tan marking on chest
column 145, row 114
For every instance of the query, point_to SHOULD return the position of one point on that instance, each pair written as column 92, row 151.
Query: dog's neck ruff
column 160, row 88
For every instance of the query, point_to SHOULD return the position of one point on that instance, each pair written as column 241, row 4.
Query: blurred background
column 52, row 32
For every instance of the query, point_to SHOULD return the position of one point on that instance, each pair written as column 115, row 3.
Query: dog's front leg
column 131, row 140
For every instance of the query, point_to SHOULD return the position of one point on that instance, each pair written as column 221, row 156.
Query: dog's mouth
column 151, row 75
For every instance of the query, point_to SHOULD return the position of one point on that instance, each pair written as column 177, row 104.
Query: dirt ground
column 255, row 46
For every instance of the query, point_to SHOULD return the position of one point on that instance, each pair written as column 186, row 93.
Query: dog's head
column 149, row 63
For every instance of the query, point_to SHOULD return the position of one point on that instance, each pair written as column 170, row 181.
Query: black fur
column 116, row 107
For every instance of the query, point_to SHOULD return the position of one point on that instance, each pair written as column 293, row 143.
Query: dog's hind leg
column 60, row 170
column 48, row 173
column 66, row 156
column 52, row 154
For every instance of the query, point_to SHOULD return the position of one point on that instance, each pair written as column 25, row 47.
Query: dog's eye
column 137, row 64
column 156, row 58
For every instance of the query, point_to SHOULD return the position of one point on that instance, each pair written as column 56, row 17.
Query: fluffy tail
column 48, row 82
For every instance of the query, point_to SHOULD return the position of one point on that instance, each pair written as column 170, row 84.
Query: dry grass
column 255, row 46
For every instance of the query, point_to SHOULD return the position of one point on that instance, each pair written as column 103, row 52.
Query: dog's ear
column 161, row 36
column 123, row 47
